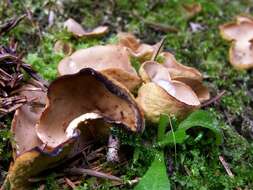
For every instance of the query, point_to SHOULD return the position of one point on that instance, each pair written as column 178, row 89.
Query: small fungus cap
column 241, row 35
column 77, row 30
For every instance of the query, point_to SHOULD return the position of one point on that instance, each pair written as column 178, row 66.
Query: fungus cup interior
column 158, row 73
column 93, row 92
column 28, row 153
column 197, row 86
column 179, row 91
column 152, row 71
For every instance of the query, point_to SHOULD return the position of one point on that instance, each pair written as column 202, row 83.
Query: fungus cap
column 87, row 91
column 112, row 60
column 241, row 35
column 137, row 49
column 153, row 71
column 166, row 97
column 77, row 30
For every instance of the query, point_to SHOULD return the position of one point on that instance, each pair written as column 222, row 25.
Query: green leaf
column 163, row 123
column 156, row 177
column 198, row 118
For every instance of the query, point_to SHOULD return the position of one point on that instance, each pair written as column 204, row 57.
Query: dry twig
column 9, row 25
column 226, row 166
column 214, row 99
column 82, row 171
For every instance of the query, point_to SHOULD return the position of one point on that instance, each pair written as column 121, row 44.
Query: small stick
column 226, row 166
column 214, row 99
column 11, row 24
column 161, row 27
column 70, row 183
column 156, row 53
column 39, row 179
column 81, row 171
column 154, row 25
column 95, row 154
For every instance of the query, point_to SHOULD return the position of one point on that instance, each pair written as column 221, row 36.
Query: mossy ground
column 194, row 165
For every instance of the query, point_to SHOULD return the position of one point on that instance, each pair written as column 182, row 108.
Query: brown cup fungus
column 112, row 60
column 170, row 88
column 240, row 33
column 79, row 107
column 77, row 30
column 137, row 49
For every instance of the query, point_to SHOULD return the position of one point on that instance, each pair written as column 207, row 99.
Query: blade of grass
column 163, row 123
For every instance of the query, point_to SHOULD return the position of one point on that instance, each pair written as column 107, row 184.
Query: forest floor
column 194, row 165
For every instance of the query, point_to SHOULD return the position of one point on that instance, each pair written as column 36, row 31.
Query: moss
column 5, row 139
column 45, row 60
column 199, row 166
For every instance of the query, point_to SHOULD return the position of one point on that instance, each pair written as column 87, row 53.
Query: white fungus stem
column 113, row 148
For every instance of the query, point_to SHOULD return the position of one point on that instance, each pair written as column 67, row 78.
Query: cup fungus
column 77, row 30
column 25, row 119
column 152, row 71
column 91, row 96
column 142, row 51
column 86, row 92
column 28, row 152
column 177, row 69
column 166, row 97
column 172, row 70
column 112, row 60
column 162, row 95
column 241, row 35
column 79, row 107
column 188, row 75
